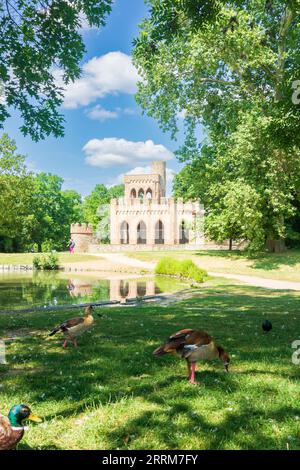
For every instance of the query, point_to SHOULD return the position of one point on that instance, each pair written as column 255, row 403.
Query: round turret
column 83, row 236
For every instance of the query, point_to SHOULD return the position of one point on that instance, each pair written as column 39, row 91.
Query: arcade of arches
column 141, row 233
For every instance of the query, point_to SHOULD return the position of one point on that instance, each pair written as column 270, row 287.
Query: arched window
column 183, row 233
column 159, row 233
column 141, row 194
column 149, row 193
column 141, row 233
column 133, row 194
column 124, row 233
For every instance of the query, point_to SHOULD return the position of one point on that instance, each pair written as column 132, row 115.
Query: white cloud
column 129, row 111
column 112, row 151
column 111, row 73
column 100, row 114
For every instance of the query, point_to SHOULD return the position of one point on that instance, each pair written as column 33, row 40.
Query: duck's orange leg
column 192, row 376
column 65, row 344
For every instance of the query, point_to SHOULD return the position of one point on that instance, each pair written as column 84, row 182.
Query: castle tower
column 159, row 168
column 82, row 234
column 147, row 186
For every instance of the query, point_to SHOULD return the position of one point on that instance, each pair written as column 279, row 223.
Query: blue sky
column 105, row 132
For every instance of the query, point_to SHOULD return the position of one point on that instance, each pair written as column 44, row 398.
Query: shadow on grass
column 262, row 260
column 172, row 433
column 115, row 362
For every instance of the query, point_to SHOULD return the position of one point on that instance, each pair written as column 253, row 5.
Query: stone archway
column 124, row 233
column 159, row 233
column 133, row 193
column 183, row 233
column 141, row 194
column 141, row 233
column 149, row 193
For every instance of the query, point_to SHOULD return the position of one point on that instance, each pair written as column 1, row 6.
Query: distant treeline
column 35, row 212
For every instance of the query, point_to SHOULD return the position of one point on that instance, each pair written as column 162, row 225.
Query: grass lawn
column 111, row 393
column 284, row 266
column 26, row 258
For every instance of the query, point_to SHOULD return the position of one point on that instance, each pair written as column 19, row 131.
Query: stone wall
column 82, row 234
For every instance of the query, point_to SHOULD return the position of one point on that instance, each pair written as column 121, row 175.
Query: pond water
column 27, row 290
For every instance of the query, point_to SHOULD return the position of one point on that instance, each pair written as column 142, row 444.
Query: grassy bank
column 111, row 393
column 27, row 258
column 285, row 266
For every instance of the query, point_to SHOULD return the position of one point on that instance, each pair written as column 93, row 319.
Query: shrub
column 47, row 262
column 186, row 269
column 168, row 266
column 37, row 263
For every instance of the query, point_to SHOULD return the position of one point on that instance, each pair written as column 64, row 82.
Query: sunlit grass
column 285, row 266
column 26, row 258
column 112, row 393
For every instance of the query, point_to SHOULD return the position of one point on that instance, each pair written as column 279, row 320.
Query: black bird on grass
column 266, row 326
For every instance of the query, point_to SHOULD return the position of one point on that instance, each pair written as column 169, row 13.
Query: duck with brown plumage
column 193, row 346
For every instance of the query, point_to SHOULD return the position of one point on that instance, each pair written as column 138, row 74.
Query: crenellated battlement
column 155, row 203
column 84, row 229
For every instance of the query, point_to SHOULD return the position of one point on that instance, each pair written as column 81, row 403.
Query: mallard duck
column 11, row 427
column 75, row 327
column 194, row 346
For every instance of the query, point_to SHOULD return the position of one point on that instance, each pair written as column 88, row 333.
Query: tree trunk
column 230, row 244
column 276, row 246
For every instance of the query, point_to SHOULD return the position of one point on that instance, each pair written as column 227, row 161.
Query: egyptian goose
column 194, row 346
column 11, row 427
column 75, row 327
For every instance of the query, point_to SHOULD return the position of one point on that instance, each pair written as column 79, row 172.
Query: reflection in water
column 79, row 288
column 46, row 289
column 121, row 290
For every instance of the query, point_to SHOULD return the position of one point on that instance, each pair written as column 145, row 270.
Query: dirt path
column 120, row 259
column 260, row 281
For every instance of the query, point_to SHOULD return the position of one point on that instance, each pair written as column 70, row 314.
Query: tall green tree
column 15, row 192
column 231, row 66
column 100, row 195
column 37, row 36
column 51, row 213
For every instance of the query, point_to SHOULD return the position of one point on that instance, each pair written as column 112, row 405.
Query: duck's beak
column 34, row 418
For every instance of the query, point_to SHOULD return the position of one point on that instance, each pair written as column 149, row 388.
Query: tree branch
column 286, row 21
column 217, row 81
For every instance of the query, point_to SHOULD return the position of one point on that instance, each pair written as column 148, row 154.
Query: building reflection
column 125, row 289
column 118, row 289
column 79, row 288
